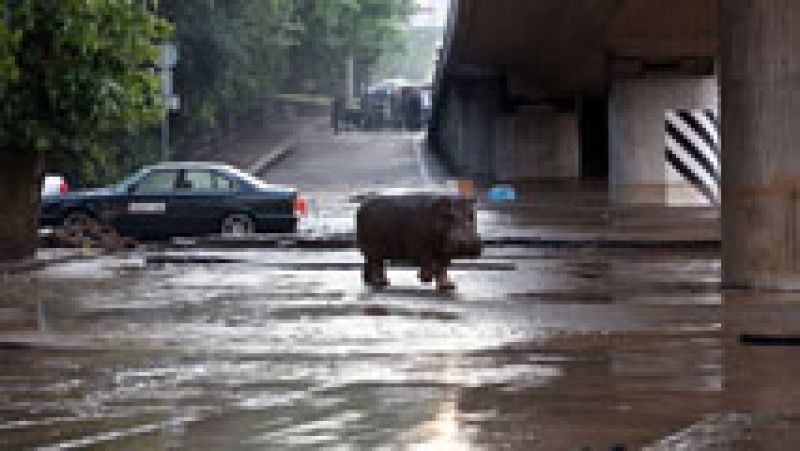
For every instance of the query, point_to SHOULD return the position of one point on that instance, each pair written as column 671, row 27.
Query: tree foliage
column 235, row 54
column 77, row 77
column 8, row 66
column 75, row 70
column 337, row 29
column 71, row 72
column 231, row 55
column 416, row 60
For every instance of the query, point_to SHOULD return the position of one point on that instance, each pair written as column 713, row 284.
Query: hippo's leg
column 380, row 279
column 368, row 273
column 375, row 272
column 443, row 282
column 427, row 270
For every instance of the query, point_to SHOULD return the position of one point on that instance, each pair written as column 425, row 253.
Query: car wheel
column 76, row 219
column 237, row 225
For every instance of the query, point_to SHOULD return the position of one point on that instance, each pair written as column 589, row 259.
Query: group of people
column 383, row 108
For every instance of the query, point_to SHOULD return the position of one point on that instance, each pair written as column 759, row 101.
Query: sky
column 434, row 13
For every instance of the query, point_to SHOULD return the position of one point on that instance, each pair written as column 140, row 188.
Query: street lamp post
column 168, row 57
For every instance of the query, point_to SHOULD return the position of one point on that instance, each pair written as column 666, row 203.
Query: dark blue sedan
column 182, row 199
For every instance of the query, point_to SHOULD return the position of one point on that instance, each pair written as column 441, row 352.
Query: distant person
column 336, row 114
column 426, row 106
column 413, row 111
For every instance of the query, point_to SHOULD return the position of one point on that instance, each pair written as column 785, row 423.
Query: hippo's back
column 396, row 226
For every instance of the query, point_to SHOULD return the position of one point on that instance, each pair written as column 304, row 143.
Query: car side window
column 223, row 184
column 207, row 181
column 196, row 180
column 157, row 182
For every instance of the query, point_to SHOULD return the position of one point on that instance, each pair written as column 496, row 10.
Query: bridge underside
column 629, row 91
column 552, row 48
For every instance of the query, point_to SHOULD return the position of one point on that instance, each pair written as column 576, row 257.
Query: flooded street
column 541, row 347
column 274, row 350
column 426, row 225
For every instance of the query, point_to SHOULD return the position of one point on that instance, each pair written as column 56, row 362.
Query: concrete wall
column 481, row 141
column 466, row 134
column 636, row 131
column 450, row 132
column 537, row 144
column 568, row 145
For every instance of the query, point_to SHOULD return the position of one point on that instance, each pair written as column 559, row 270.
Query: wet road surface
column 550, row 349
column 242, row 349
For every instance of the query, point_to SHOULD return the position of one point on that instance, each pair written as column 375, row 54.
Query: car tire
column 236, row 225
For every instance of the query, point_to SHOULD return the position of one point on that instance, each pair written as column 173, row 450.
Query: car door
column 202, row 199
column 146, row 211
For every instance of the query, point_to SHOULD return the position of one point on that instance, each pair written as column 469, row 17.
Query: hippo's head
column 455, row 219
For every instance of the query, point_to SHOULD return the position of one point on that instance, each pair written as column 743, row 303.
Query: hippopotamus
column 427, row 230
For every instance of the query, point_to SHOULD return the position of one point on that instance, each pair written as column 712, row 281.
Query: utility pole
column 350, row 76
column 165, row 151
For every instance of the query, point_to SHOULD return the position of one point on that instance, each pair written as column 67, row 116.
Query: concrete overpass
column 639, row 93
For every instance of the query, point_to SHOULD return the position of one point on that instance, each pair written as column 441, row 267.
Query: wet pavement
column 256, row 353
column 551, row 349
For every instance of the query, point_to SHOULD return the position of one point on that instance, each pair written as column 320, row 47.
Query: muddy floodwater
column 538, row 349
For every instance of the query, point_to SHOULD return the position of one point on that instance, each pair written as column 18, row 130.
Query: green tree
column 75, row 70
column 334, row 30
column 236, row 54
column 232, row 54
column 8, row 66
column 417, row 59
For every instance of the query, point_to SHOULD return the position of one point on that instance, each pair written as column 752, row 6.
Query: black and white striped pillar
column 692, row 157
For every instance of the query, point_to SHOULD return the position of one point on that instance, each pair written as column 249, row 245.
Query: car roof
column 190, row 165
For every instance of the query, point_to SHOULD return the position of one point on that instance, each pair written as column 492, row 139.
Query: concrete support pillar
column 637, row 109
column 449, row 133
column 481, row 141
column 478, row 127
column 760, row 74
column 463, row 149
column 504, row 164
column 567, row 143
column 466, row 138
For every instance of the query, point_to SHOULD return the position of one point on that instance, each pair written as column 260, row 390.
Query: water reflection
column 572, row 350
column 445, row 431
column 41, row 316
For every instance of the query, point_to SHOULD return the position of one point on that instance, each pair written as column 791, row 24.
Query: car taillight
column 63, row 187
column 300, row 205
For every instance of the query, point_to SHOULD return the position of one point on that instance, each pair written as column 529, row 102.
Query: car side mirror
column 131, row 189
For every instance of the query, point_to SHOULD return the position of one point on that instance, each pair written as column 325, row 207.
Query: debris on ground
column 89, row 233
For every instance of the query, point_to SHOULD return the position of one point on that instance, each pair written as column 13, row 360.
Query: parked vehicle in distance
column 54, row 185
column 182, row 199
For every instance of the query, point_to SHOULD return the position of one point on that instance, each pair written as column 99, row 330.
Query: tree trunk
column 20, row 184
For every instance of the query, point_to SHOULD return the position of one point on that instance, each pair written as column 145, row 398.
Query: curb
column 347, row 241
column 281, row 150
column 35, row 264
column 272, row 158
